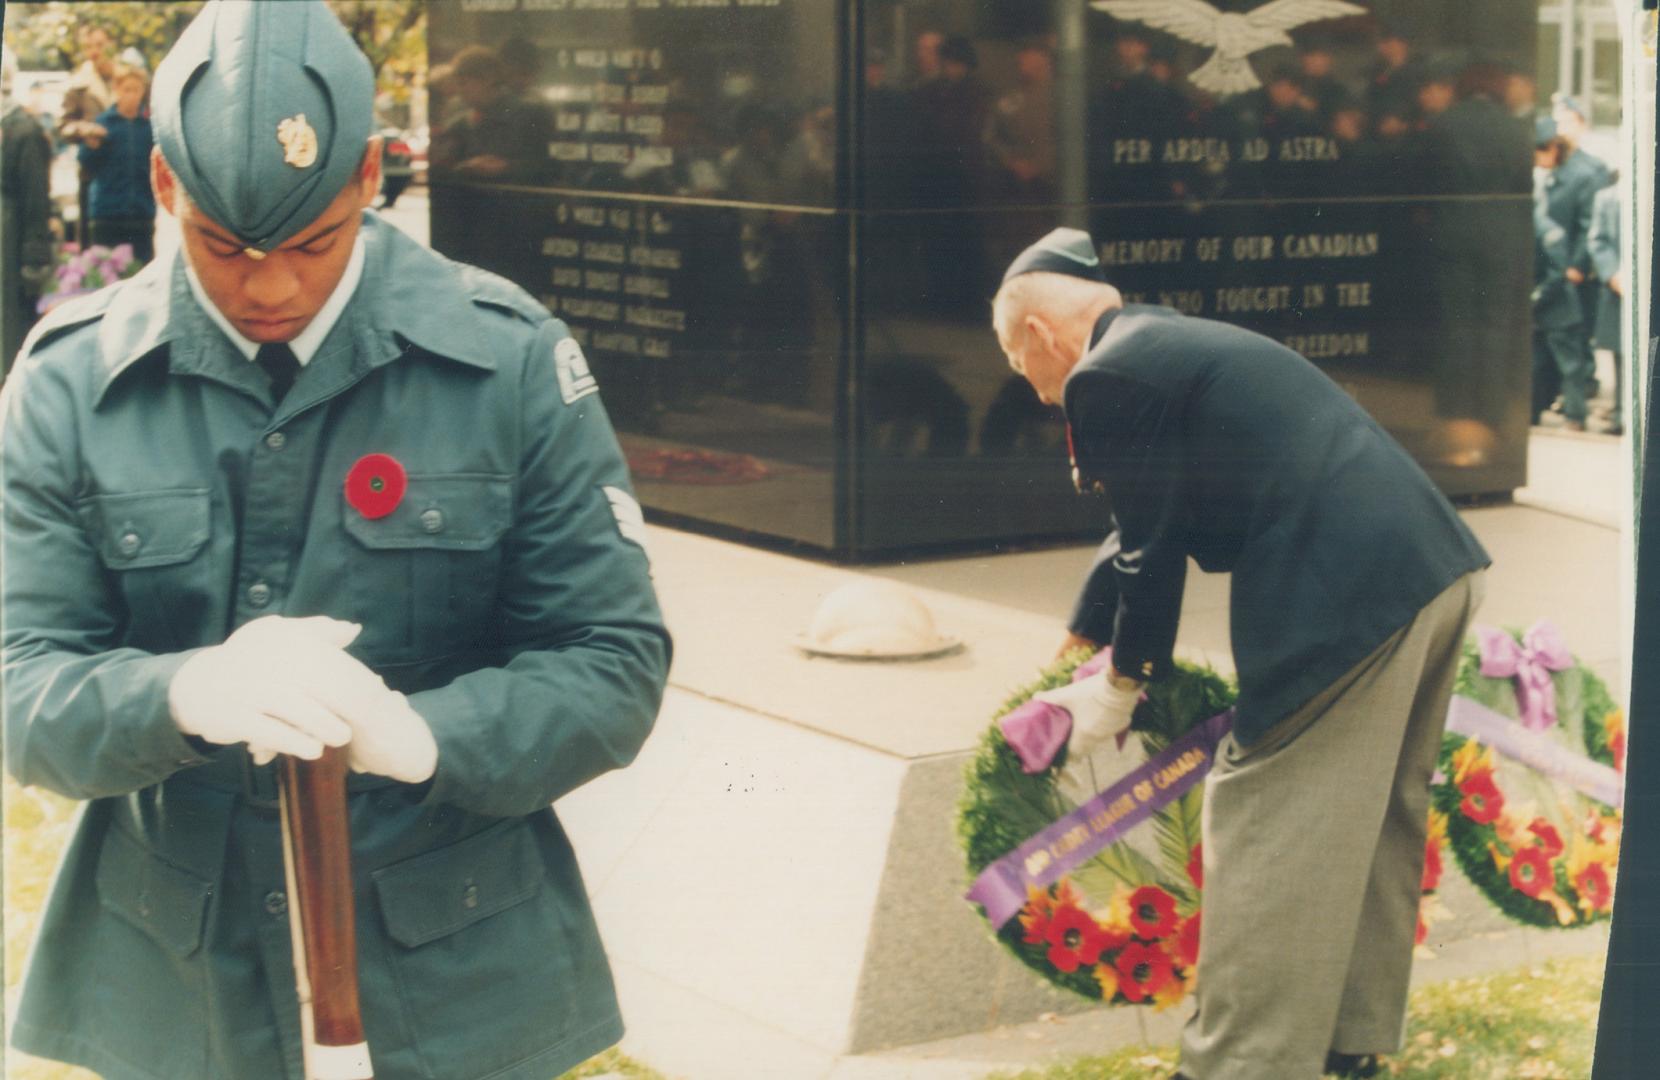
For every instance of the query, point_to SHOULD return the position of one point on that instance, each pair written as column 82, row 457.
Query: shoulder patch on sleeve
column 575, row 380
column 631, row 520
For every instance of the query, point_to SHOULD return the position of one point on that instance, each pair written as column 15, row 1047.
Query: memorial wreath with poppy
column 1103, row 898
column 1108, row 917
column 1530, row 780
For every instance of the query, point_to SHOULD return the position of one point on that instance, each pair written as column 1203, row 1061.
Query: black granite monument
column 775, row 226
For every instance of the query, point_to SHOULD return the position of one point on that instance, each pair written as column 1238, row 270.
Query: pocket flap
column 148, row 528
column 164, row 901
column 459, row 512
column 431, row 895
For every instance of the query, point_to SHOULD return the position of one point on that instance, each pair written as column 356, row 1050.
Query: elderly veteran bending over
column 307, row 484
column 1353, row 583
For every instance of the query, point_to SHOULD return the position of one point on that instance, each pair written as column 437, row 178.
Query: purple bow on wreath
column 1530, row 663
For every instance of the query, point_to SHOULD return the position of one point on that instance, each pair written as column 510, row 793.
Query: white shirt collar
column 311, row 338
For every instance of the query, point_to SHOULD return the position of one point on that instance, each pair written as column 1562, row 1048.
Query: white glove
column 393, row 740
column 276, row 683
column 1100, row 712
column 287, row 686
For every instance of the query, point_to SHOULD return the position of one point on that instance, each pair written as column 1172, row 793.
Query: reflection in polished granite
column 774, row 245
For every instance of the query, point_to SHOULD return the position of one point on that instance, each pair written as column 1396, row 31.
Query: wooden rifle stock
column 317, row 857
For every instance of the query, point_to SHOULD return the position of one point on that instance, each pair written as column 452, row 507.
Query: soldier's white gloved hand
column 1099, row 710
column 393, row 740
column 281, row 685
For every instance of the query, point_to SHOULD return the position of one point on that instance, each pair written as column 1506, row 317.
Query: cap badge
column 299, row 142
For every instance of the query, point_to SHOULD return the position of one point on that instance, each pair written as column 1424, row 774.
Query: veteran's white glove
column 1100, row 712
column 287, row 686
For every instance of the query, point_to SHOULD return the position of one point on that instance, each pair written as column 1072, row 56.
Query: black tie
column 281, row 365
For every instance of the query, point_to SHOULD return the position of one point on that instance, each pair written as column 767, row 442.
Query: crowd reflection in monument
column 964, row 141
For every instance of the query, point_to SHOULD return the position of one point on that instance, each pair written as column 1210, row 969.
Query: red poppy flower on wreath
column 1143, row 970
column 1034, row 916
column 1187, row 942
column 1432, row 867
column 1531, row 873
column 1592, row 885
column 1482, row 800
column 1076, row 939
column 1196, row 866
column 1549, row 840
column 1152, row 912
column 375, row 485
column 1422, row 934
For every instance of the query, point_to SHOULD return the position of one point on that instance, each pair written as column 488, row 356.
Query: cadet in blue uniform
column 308, row 483
column 1353, row 582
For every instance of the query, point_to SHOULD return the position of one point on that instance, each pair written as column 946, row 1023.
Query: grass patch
column 1537, row 1023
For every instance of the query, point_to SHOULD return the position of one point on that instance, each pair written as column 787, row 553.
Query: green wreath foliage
column 1002, row 806
column 1589, row 829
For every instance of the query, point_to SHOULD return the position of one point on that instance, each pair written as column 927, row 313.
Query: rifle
column 316, row 850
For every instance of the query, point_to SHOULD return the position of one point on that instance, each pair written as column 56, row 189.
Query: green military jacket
column 153, row 502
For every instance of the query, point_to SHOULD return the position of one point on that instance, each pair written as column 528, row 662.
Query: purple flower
column 70, row 279
column 121, row 257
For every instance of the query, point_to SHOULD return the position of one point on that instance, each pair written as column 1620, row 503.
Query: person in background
column 1603, row 242
column 25, row 215
column 87, row 95
column 117, row 157
column 1562, row 362
column 1579, row 176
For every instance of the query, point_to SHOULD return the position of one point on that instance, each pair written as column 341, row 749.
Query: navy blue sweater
column 121, row 168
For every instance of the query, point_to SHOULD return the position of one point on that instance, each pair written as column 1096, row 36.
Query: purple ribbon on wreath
column 1530, row 662
column 1074, row 838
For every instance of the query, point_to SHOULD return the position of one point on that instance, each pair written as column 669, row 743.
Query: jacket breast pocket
column 480, row 945
column 151, row 542
column 423, row 579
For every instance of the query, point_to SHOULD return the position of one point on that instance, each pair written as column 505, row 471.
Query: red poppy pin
column 375, row 485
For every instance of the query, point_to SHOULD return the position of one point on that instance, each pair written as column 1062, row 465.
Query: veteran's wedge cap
column 1063, row 251
column 263, row 111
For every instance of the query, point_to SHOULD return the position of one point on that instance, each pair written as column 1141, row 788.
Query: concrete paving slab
column 754, row 879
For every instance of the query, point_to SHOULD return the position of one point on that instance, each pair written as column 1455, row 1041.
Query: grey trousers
column 1313, row 854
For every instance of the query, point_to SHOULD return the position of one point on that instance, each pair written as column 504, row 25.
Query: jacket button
column 432, row 520
column 276, row 903
column 276, row 440
column 129, row 544
column 259, row 594
column 469, row 895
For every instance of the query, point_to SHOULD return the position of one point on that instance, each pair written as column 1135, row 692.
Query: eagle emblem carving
column 1233, row 36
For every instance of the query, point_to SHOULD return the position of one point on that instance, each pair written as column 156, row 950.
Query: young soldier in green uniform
column 306, row 483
